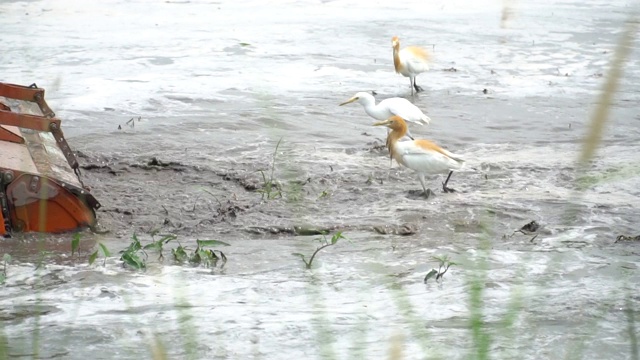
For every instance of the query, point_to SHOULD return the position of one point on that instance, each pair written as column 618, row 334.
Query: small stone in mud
column 484, row 91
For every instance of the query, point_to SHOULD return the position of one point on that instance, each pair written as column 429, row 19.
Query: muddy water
column 216, row 85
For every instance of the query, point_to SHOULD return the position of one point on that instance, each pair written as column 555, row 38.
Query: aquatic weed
column 6, row 259
column 42, row 256
column 130, row 256
column 270, row 187
column 158, row 245
column 208, row 258
column 201, row 256
column 444, row 262
column 324, row 244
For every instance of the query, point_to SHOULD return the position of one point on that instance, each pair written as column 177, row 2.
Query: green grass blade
column 75, row 243
column 202, row 243
column 92, row 257
column 105, row 251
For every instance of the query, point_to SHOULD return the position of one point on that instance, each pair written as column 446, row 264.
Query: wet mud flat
column 562, row 265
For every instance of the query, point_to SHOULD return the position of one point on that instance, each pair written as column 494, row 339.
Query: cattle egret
column 410, row 61
column 390, row 107
column 422, row 156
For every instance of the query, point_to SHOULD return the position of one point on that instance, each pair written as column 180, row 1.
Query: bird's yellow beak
column 382, row 123
column 349, row 101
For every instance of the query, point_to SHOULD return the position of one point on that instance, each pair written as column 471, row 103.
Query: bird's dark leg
column 444, row 184
column 411, row 81
column 409, row 135
column 415, row 85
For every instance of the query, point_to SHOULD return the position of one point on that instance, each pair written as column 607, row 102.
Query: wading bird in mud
column 410, row 61
column 422, row 156
column 390, row 107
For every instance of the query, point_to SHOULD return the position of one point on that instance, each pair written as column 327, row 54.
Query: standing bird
column 390, row 107
column 422, row 156
column 410, row 62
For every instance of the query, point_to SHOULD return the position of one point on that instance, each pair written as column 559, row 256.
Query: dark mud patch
column 249, row 182
column 155, row 164
column 290, row 230
column 116, row 168
column 21, row 312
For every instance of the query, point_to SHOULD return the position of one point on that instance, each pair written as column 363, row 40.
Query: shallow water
column 217, row 84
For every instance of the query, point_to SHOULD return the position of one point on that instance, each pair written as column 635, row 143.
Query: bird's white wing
column 426, row 157
column 406, row 110
column 415, row 59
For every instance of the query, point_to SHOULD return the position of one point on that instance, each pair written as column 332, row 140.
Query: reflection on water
column 217, row 84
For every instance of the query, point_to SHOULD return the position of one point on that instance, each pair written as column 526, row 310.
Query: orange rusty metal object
column 42, row 205
column 40, row 185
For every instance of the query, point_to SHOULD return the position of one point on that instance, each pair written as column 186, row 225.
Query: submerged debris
column 249, row 184
column 622, row 238
column 405, row 229
column 230, row 209
column 529, row 228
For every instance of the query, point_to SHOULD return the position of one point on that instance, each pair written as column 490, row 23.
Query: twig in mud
column 210, row 193
column 165, row 210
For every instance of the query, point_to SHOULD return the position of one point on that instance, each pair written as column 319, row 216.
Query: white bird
column 410, row 61
column 390, row 107
column 421, row 156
